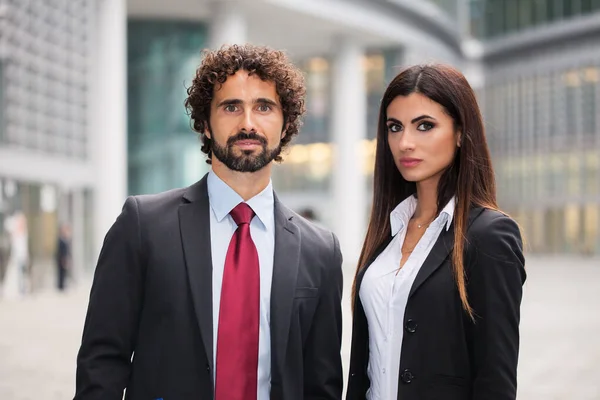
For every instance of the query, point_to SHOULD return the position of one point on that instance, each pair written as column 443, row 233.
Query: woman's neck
column 427, row 207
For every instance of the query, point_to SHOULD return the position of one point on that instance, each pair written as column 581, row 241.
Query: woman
column 438, row 286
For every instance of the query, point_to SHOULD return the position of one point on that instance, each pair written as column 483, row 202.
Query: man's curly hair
column 267, row 64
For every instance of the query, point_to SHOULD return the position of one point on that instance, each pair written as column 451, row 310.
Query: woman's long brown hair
column 470, row 175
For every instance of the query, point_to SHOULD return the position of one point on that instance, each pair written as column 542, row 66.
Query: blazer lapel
column 442, row 247
column 285, row 271
column 194, row 226
column 436, row 257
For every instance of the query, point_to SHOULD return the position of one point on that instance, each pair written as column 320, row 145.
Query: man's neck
column 246, row 184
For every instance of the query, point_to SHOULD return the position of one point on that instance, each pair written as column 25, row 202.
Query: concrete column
column 109, row 125
column 349, row 116
column 228, row 24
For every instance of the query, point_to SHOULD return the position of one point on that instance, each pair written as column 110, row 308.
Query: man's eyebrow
column 264, row 100
column 228, row 102
column 237, row 102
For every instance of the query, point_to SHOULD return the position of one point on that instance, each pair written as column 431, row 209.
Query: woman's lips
column 410, row 162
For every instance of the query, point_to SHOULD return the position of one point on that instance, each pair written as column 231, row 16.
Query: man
column 63, row 255
column 218, row 290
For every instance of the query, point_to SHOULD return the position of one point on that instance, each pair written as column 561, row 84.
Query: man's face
column 246, row 123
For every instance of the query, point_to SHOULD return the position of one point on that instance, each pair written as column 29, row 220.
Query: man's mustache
column 246, row 136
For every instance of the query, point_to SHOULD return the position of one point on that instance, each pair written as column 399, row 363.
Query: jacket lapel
column 285, row 272
column 436, row 257
column 442, row 247
column 194, row 226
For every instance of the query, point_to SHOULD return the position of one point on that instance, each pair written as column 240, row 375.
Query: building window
column 477, row 12
column 589, row 92
column 493, row 18
column 46, row 76
column 316, row 123
column 162, row 60
column 2, row 104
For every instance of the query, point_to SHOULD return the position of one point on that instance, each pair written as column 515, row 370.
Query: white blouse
column 384, row 294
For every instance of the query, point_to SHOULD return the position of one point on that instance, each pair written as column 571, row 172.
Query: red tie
column 237, row 339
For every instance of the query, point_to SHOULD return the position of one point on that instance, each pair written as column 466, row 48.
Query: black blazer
column 152, row 298
column 445, row 356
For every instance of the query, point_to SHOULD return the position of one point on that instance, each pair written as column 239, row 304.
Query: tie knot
column 242, row 214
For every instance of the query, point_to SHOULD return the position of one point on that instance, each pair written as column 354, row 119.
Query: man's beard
column 247, row 161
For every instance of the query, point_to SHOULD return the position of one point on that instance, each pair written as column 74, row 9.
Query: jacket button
column 410, row 325
column 207, row 367
column 407, row 376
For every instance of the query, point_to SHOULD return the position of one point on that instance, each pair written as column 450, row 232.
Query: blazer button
column 207, row 367
column 407, row 376
column 410, row 325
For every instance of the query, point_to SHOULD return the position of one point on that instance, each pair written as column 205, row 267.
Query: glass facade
column 450, row 7
column 44, row 76
column 163, row 150
column 495, row 18
column 544, row 134
column 308, row 164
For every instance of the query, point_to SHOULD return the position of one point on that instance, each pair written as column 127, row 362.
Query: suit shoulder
column 159, row 202
column 492, row 230
column 487, row 220
column 313, row 231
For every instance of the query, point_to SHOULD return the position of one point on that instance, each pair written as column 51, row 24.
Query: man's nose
column 247, row 123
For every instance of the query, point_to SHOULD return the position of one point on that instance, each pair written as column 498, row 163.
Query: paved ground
column 560, row 352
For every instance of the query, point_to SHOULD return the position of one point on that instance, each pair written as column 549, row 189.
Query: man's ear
column 284, row 131
column 206, row 131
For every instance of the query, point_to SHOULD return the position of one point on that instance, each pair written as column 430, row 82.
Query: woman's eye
column 425, row 126
column 394, row 128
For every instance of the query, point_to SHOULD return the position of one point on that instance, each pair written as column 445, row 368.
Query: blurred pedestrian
column 218, row 290
column 63, row 256
column 15, row 282
column 308, row 213
column 438, row 287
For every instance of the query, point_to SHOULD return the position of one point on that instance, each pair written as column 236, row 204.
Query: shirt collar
column 223, row 199
column 404, row 211
column 448, row 210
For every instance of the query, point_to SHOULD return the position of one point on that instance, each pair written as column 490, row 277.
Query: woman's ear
column 458, row 138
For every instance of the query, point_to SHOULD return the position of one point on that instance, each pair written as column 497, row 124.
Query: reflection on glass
column 591, row 221
column 316, row 121
column 162, row 58
column 493, row 18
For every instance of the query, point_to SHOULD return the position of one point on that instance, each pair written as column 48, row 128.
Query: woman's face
column 421, row 137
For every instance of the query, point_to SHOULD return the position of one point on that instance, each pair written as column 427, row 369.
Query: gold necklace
column 419, row 226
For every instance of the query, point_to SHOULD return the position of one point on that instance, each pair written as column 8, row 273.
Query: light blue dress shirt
column 222, row 200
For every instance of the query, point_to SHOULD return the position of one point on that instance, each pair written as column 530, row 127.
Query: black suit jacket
column 445, row 356
column 152, row 298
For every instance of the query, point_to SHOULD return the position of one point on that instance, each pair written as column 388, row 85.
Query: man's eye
column 425, row 126
column 230, row 108
column 264, row 108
